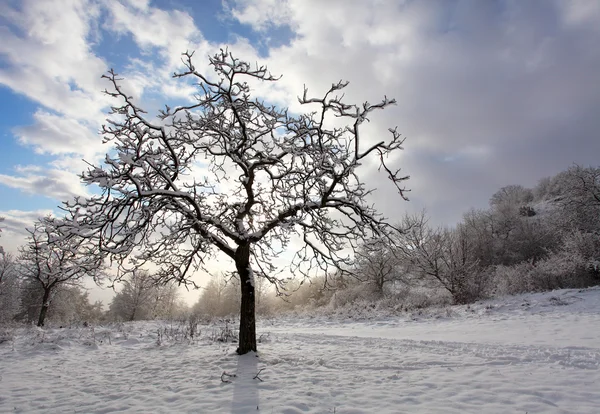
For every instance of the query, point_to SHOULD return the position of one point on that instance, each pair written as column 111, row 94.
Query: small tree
column 134, row 300
column 51, row 259
column 512, row 195
column 581, row 199
column 480, row 227
column 378, row 263
column 234, row 175
column 167, row 303
column 445, row 256
column 9, row 287
column 461, row 276
column 70, row 304
column 141, row 298
column 220, row 297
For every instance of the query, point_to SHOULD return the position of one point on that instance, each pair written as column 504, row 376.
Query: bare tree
column 233, row 175
column 581, row 200
column 51, row 259
column 461, row 277
column 446, row 256
column 9, row 287
column 167, row 303
column 221, row 296
column 513, row 195
column 6, row 266
column 141, row 298
column 378, row 263
column 421, row 247
column 481, row 226
column 70, row 304
column 134, row 300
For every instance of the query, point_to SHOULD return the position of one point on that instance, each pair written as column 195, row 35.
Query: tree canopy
column 235, row 175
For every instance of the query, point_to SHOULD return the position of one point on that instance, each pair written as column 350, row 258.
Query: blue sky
column 489, row 93
column 117, row 48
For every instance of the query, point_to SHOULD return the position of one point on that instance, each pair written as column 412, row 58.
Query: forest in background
column 528, row 240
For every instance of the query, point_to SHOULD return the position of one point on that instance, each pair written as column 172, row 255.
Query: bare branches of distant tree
column 52, row 258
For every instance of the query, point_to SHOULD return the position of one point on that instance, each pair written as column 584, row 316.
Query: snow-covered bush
column 558, row 271
column 587, row 247
column 362, row 292
column 563, row 270
column 301, row 296
column 510, row 280
column 350, row 303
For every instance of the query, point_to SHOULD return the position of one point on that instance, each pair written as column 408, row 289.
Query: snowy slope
column 537, row 353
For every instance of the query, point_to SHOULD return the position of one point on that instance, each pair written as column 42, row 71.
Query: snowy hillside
column 535, row 353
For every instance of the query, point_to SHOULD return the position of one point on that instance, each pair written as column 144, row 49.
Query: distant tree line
column 45, row 281
column 528, row 240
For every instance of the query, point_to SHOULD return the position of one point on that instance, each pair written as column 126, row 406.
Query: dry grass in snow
column 537, row 353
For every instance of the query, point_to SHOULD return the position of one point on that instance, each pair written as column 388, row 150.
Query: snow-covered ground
column 537, row 353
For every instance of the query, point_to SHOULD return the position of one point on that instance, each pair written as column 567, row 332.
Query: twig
column 225, row 375
column 258, row 373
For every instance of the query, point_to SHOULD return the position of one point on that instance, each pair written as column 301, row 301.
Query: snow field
column 537, row 353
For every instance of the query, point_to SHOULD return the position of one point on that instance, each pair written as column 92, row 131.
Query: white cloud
column 56, row 135
column 60, row 71
column 489, row 93
column 14, row 224
column 49, row 57
column 260, row 14
column 581, row 12
column 166, row 34
column 60, row 185
column 172, row 32
column 140, row 4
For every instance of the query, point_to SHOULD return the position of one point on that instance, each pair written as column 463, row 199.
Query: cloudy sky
column 490, row 92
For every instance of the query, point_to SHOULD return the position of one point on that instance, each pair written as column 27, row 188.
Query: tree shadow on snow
column 245, row 387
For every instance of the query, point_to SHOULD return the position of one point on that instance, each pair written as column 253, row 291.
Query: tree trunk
column 45, row 305
column 247, row 340
column 132, row 317
column 379, row 283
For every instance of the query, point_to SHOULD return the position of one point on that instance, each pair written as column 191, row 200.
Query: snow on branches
column 232, row 174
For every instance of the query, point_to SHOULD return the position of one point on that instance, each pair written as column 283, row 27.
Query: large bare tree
column 235, row 175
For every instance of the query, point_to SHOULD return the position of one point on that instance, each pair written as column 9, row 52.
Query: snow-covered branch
column 233, row 174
